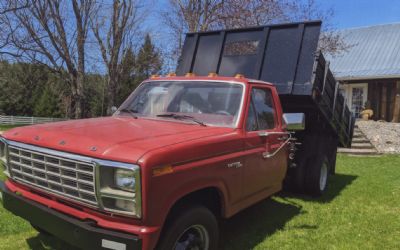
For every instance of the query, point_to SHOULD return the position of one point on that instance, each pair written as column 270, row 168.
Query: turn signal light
column 189, row 74
column 239, row 76
column 154, row 76
column 212, row 74
column 171, row 74
column 162, row 170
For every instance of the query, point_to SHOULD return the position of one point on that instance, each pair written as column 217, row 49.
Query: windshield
column 210, row 103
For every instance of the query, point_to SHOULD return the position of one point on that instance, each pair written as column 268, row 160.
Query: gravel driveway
column 385, row 136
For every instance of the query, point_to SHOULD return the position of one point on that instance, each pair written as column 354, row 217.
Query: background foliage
column 79, row 58
column 31, row 89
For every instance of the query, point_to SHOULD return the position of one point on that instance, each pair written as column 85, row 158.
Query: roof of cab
column 236, row 79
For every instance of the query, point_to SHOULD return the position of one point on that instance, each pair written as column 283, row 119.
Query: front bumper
column 82, row 234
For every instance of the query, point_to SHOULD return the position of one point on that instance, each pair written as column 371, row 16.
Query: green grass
column 360, row 211
column 6, row 127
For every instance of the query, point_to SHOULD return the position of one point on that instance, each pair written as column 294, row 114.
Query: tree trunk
column 111, row 92
column 80, row 81
column 79, row 96
column 76, row 100
column 396, row 108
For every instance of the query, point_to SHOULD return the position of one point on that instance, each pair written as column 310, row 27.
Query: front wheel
column 192, row 229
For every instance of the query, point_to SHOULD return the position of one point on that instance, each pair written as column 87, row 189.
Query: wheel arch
column 210, row 197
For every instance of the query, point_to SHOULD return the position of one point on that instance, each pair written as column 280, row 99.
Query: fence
column 23, row 120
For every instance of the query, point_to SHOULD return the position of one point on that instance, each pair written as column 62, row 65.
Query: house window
column 358, row 98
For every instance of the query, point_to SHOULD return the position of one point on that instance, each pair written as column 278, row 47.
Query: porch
column 378, row 95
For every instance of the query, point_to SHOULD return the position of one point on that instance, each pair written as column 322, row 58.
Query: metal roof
column 374, row 53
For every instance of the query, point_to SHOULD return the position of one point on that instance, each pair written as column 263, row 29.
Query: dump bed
column 285, row 55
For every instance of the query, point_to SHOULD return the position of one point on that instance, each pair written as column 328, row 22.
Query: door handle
column 267, row 155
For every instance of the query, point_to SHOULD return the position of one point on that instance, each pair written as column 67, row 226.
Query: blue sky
column 348, row 13
column 358, row 13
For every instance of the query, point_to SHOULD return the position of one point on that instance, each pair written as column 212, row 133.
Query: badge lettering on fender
column 235, row 165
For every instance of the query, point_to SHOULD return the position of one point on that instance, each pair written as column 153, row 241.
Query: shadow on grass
column 248, row 228
column 337, row 183
column 253, row 225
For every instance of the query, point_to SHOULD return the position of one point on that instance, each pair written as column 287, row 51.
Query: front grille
column 64, row 177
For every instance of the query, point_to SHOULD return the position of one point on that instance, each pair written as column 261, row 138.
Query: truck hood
column 118, row 138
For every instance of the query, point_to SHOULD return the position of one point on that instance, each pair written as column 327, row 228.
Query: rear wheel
column 318, row 175
column 190, row 229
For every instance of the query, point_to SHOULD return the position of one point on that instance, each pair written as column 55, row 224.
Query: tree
column 190, row 16
column 201, row 15
column 246, row 13
column 196, row 15
column 33, row 90
column 148, row 60
column 4, row 9
column 136, row 68
column 47, row 105
column 44, row 32
column 128, row 79
column 113, row 37
column 25, row 87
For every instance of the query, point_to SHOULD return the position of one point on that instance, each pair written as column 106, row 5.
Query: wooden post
column 383, row 101
column 396, row 108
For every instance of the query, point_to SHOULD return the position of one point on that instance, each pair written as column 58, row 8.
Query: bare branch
column 200, row 15
column 38, row 31
column 111, row 37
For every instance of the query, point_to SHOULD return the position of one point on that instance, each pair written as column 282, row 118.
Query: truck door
column 265, row 165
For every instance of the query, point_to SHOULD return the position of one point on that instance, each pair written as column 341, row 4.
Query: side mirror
column 294, row 121
column 113, row 109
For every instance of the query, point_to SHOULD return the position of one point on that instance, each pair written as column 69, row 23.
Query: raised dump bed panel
column 285, row 55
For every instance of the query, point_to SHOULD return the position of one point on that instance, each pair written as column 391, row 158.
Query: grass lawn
column 360, row 211
column 5, row 127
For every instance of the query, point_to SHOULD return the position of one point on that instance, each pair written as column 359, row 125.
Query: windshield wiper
column 182, row 117
column 130, row 111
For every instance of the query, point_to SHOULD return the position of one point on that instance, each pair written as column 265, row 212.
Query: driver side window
column 261, row 113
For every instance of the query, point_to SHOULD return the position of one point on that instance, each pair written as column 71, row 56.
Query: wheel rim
column 193, row 238
column 323, row 177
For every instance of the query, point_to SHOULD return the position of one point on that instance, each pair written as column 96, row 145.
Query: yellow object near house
column 366, row 114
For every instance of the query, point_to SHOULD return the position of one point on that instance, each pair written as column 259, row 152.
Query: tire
column 317, row 175
column 190, row 228
column 295, row 181
column 333, row 162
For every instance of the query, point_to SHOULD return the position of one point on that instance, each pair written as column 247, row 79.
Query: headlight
column 119, row 188
column 124, row 179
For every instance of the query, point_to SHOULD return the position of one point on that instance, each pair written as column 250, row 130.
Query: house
column 369, row 71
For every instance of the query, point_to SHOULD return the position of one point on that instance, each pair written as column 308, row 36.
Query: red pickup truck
column 179, row 154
